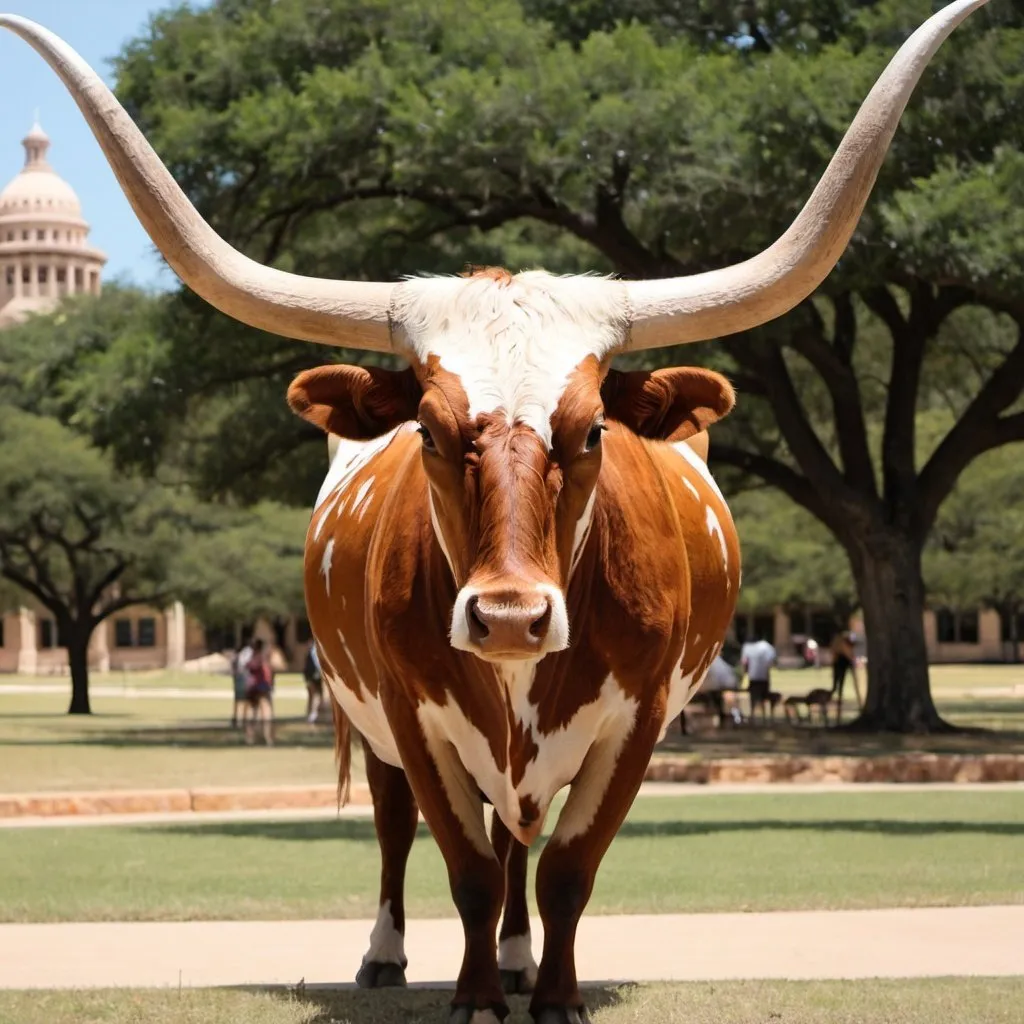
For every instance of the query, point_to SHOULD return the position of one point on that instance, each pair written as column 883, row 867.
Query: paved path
column 959, row 941
column 648, row 789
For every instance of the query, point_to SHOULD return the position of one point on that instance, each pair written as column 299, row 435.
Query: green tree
column 81, row 538
column 375, row 138
column 975, row 555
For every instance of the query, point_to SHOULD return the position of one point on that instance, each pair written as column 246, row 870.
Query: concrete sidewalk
column 931, row 942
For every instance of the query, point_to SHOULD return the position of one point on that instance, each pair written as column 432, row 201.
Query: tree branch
column 980, row 429
column 774, row 473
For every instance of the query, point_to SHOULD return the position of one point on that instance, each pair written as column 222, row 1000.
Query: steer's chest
column 523, row 766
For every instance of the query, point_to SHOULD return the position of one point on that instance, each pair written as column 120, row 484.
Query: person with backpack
column 259, row 691
column 314, row 684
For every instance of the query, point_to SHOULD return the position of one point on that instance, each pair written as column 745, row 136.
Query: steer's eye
column 428, row 440
column 594, row 437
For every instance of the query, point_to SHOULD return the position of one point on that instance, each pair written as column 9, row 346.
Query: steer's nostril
column 539, row 626
column 477, row 627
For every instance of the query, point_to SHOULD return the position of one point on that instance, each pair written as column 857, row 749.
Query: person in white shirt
column 757, row 659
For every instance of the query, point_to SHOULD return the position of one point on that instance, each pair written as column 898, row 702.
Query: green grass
column 674, row 854
column 170, row 742
column 152, row 743
column 917, row 1001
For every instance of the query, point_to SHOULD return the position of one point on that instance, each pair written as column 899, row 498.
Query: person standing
column 260, row 691
column 844, row 661
column 240, row 680
column 757, row 659
column 313, row 675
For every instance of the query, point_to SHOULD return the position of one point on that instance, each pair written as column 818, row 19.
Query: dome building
column 44, row 249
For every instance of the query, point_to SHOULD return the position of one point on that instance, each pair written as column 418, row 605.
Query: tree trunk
column 78, row 661
column 887, row 570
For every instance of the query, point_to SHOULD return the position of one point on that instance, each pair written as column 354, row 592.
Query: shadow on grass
column 198, row 734
column 362, row 829
column 418, row 1004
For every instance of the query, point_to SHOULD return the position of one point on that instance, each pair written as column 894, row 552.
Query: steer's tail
column 342, row 749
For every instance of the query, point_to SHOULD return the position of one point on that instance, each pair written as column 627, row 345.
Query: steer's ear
column 667, row 405
column 357, row 402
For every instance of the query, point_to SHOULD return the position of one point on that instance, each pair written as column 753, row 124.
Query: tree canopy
column 373, row 139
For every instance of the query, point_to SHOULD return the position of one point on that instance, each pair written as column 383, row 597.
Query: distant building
column 44, row 249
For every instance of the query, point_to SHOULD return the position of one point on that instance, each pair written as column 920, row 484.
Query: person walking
column 240, row 681
column 313, row 675
column 259, row 692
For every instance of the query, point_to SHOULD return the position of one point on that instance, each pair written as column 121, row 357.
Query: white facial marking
column 693, row 490
column 599, row 743
column 387, row 944
column 715, row 529
column 325, row 564
column 516, row 954
column 582, row 531
column 512, row 344
column 438, row 532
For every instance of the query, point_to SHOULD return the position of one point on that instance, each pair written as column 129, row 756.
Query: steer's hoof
column 472, row 1015
column 380, row 975
column 562, row 1015
column 517, row 982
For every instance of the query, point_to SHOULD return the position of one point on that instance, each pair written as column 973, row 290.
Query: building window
column 764, row 628
column 146, row 635
column 10, row 277
column 1004, row 624
column 953, row 627
column 303, row 634
column 79, row 279
column 24, row 236
column 62, row 275
column 41, row 236
column 56, row 236
column 94, row 283
column 26, row 275
column 49, row 636
column 123, row 633
column 798, row 622
column 43, row 275
column 10, row 236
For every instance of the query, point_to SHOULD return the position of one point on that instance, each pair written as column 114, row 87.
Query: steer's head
column 512, row 394
column 509, row 378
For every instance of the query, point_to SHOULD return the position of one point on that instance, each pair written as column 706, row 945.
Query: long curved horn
column 673, row 311
column 349, row 313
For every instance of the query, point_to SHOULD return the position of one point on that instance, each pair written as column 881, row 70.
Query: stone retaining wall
column 884, row 768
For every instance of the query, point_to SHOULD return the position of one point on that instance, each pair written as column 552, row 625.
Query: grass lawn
column 167, row 742
column 919, row 1001
column 701, row 852
column 152, row 743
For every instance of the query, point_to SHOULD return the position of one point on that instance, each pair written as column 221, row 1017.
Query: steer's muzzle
column 508, row 623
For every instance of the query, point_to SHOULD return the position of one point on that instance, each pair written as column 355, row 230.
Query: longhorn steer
column 518, row 570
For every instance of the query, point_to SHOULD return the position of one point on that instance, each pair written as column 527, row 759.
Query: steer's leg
column 396, row 816
column 450, row 801
column 599, row 800
column 515, row 954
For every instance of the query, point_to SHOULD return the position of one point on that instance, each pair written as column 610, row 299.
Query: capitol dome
column 44, row 250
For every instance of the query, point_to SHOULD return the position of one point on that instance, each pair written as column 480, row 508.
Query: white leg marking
column 325, row 564
column 387, row 944
column 516, row 954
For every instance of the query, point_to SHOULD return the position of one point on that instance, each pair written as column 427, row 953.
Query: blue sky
column 97, row 31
